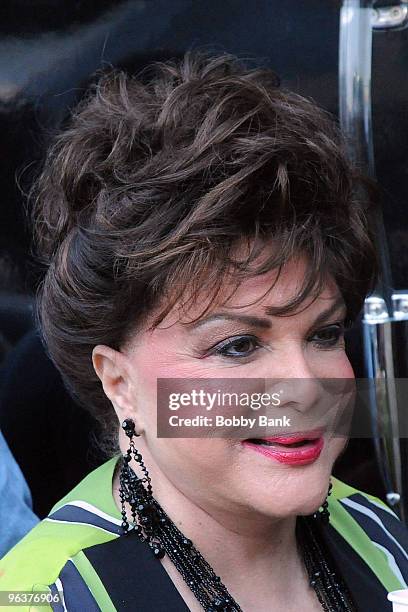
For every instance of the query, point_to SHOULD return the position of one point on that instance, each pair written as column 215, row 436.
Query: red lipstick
column 294, row 449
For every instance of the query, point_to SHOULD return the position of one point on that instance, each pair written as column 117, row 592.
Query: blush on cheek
column 336, row 365
column 345, row 370
column 159, row 357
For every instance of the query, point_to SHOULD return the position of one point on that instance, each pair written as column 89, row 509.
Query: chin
column 302, row 506
column 298, row 491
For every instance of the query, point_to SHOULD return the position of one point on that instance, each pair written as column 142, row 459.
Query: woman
column 203, row 224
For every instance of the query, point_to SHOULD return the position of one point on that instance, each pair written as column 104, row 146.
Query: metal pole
column 357, row 18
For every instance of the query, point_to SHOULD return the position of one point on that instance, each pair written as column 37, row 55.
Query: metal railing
column 385, row 317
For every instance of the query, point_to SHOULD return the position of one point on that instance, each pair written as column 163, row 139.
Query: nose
column 299, row 394
column 298, row 386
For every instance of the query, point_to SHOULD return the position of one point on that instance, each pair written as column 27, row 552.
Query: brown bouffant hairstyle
column 156, row 180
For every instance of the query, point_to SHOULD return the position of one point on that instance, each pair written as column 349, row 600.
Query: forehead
column 255, row 294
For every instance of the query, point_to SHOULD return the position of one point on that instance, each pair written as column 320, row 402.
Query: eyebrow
column 328, row 312
column 248, row 319
column 262, row 322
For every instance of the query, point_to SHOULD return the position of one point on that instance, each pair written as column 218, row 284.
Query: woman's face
column 226, row 475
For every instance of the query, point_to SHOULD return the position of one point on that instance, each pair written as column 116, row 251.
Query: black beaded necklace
column 153, row 526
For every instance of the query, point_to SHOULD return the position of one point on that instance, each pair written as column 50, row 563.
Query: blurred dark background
column 49, row 51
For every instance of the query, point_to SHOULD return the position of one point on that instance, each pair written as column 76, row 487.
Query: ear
column 111, row 368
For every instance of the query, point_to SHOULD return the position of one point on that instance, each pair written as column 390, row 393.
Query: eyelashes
column 234, row 347
column 244, row 345
column 330, row 336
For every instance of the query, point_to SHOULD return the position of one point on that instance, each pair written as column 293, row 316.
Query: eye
column 240, row 346
column 329, row 336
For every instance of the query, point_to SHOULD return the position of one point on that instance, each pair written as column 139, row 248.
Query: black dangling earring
column 138, row 493
column 324, row 514
column 130, row 430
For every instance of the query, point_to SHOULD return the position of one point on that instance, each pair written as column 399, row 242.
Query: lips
column 294, row 438
column 293, row 449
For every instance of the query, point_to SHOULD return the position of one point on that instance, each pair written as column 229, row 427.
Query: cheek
column 187, row 462
column 149, row 363
column 332, row 364
column 335, row 448
column 158, row 359
column 344, row 367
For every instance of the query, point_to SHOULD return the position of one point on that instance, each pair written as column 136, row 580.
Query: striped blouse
column 79, row 558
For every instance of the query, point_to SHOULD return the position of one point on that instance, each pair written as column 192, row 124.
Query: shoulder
column 374, row 531
column 84, row 518
column 373, row 515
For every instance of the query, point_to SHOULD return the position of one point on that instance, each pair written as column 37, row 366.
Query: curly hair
column 146, row 193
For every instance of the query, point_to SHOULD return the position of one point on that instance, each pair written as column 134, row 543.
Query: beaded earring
column 138, row 493
column 324, row 514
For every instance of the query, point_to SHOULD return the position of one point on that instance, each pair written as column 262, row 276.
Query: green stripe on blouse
column 351, row 531
column 93, row 582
